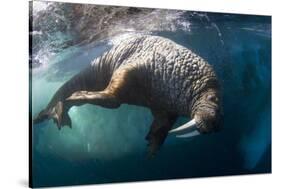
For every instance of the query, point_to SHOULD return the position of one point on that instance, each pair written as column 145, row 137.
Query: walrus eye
column 212, row 98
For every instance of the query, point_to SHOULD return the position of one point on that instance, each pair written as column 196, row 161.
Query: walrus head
column 206, row 115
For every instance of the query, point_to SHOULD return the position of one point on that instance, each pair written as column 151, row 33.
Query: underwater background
column 108, row 145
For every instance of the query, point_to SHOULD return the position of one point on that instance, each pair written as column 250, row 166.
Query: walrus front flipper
column 160, row 126
column 59, row 113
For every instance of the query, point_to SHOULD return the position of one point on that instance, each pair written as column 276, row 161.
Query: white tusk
column 191, row 125
column 188, row 135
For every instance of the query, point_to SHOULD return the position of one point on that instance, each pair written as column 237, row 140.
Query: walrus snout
column 211, row 124
column 209, row 118
column 206, row 116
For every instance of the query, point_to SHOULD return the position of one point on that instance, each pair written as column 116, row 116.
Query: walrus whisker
column 191, row 125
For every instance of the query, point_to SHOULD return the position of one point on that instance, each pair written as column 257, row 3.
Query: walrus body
column 148, row 71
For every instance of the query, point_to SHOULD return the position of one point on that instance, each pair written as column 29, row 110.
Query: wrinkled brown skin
column 148, row 71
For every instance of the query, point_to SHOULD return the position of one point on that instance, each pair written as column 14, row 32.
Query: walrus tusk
column 188, row 135
column 191, row 125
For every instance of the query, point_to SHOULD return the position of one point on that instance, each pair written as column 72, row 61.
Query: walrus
column 149, row 71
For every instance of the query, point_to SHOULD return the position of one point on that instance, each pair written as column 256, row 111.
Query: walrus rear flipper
column 42, row 116
column 58, row 113
column 101, row 98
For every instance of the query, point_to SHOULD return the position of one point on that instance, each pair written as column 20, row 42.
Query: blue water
column 106, row 145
